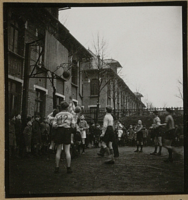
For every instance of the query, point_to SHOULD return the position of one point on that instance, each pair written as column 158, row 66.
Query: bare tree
column 180, row 90
column 104, row 75
column 165, row 104
column 148, row 103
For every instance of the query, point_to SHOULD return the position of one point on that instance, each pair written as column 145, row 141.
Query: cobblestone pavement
column 131, row 173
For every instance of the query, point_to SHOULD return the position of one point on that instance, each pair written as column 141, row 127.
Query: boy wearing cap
column 63, row 122
column 108, row 135
column 156, row 127
column 139, row 136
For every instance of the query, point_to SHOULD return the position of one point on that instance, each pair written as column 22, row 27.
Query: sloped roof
column 138, row 94
column 112, row 61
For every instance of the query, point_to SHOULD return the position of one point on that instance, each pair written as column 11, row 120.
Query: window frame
column 94, row 90
column 15, row 94
column 40, row 101
column 16, row 37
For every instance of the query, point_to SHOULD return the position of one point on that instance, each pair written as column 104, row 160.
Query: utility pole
column 54, row 91
column 98, row 95
column 26, row 84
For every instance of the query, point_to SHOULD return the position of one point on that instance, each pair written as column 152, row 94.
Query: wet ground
column 131, row 173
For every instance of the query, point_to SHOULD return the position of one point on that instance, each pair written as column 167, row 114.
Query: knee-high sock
column 83, row 147
column 102, row 151
column 160, row 149
column 170, row 153
column 107, row 151
column 155, row 149
column 57, row 158
column 68, row 158
column 111, row 154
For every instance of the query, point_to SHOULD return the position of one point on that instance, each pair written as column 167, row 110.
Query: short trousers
column 109, row 135
column 158, row 141
column 120, row 133
column 77, row 136
column 27, row 139
column 36, row 139
column 83, row 134
column 139, row 136
column 53, row 133
column 63, row 136
column 170, row 134
column 158, row 132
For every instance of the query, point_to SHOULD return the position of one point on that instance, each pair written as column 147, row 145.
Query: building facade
column 103, row 86
column 39, row 50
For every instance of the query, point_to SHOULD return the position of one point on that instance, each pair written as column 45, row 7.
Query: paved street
column 132, row 172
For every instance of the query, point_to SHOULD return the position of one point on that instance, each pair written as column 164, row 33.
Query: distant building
column 111, row 87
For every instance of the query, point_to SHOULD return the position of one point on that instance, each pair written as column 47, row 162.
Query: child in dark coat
column 27, row 136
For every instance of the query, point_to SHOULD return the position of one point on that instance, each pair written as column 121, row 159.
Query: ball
column 77, row 109
column 66, row 75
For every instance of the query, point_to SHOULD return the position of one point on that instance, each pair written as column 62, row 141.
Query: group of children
column 32, row 139
column 66, row 129
column 163, row 135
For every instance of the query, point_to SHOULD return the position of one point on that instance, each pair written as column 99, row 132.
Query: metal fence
column 90, row 114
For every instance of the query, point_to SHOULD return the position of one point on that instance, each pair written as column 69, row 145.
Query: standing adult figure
column 50, row 118
column 145, row 135
column 131, row 136
column 36, row 135
column 156, row 128
column 19, row 136
column 27, row 132
column 63, row 122
column 169, row 134
column 12, row 137
column 108, row 135
column 115, row 142
column 45, row 133
column 139, row 136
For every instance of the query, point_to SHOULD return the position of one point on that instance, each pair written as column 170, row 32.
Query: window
column 59, row 100
column 94, row 87
column 40, row 103
column 16, row 37
column 39, row 54
column 14, row 97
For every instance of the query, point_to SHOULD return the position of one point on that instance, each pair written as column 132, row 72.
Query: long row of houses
column 45, row 64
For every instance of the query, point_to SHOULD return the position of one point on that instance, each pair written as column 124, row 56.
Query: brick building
column 38, row 49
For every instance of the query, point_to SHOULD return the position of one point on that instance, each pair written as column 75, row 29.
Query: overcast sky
column 147, row 41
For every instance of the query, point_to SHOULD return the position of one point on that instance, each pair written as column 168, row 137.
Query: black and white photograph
column 95, row 99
